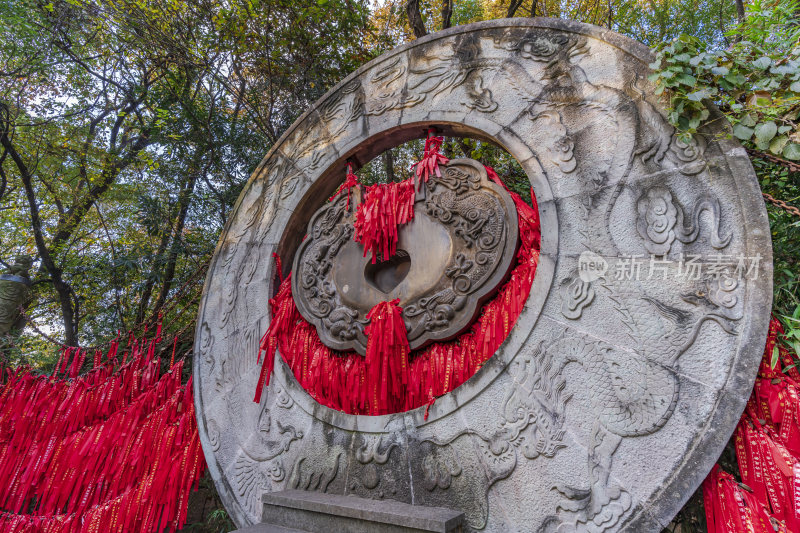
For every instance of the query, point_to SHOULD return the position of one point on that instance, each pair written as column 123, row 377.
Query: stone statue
column 14, row 293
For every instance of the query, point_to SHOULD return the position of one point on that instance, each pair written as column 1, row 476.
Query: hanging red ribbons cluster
column 431, row 159
column 385, row 208
column 350, row 181
column 730, row 508
column 387, row 357
column 284, row 317
column 767, row 443
column 346, row 381
column 116, row 449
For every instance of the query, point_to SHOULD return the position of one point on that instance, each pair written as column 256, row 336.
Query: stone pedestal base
column 295, row 511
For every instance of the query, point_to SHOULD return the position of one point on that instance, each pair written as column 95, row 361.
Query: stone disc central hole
column 386, row 275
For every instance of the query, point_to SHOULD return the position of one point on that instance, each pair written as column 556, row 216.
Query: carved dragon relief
column 647, row 399
column 314, row 144
column 660, row 221
column 259, row 211
column 631, row 395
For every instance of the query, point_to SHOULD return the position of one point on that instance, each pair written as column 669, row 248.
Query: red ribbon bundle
column 106, row 451
column 767, row 442
column 730, row 508
column 431, row 159
column 387, row 357
column 384, row 209
column 344, row 381
column 284, row 315
column 350, row 181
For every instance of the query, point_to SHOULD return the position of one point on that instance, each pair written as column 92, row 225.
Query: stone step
column 268, row 528
column 316, row 512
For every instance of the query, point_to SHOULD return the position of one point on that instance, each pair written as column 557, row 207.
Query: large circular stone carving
column 628, row 369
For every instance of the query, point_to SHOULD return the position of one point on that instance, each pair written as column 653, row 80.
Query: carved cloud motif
column 660, row 221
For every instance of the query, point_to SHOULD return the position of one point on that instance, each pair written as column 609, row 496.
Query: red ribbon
column 115, row 449
column 387, row 357
column 431, row 159
column 343, row 381
column 385, row 208
column 350, row 181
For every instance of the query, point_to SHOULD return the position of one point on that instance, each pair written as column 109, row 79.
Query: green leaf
column 720, row 71
column 792, row 151
column 765, row 132
column 698, row 96
column 783, row 70
column 783, row 129
column 762, row 63
column 748, row 120
column 742, row 132
column 686, row 79
column 795, row 87
column 775, row 356
column 777, row 144
column 736, row 79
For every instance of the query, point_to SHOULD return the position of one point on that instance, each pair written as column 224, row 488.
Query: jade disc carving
column 457, row 249
column 630, row 364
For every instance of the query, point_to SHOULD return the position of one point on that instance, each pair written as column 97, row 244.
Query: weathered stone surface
column 614, row 393
column 14, row 293
column 317, row 512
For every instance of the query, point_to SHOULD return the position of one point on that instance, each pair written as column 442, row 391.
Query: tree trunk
column 415, row 19
column 388, row 165
column 172, row 261
column 447, row 13
column 144, row 301
column 62, row 288
column 740, row 11
column 512, row 8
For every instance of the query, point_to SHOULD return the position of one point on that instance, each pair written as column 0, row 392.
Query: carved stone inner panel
column 451, row 257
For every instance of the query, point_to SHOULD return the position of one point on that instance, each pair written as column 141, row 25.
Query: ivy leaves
column 755, row 82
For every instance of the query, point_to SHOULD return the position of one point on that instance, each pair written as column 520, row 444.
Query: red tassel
column 387, row 357
column 284, row 316
column 350, row 181
column 730, row 508
column 431, row 159
column 384, row 209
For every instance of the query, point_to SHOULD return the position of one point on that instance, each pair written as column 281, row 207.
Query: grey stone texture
column 613, row 395
column 320, row 512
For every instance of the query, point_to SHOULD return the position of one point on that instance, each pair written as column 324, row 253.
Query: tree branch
column 512, row 8
column 447, row 13
column 62, row 288
column 415, row 19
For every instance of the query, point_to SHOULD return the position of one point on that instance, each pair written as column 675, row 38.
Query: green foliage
column 136, row 123
column 755, row 82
